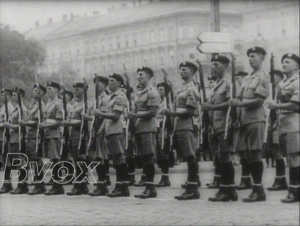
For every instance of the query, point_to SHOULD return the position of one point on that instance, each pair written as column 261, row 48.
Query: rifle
column 65, row 131
column 6, row 133
column 84, row 128
column 40, row 133
column 204, row 126
column 270, row 114
column 22, row 129
column 167, row 126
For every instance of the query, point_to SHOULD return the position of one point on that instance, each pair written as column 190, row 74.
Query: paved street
column 164, row 210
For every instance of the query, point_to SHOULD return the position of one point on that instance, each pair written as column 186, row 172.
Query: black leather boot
column 125, row 190
column 142, row 182
column 6, row 188
column 164, row 182
column 39, row 188
column 131, row 178
column 279, row 184
column 21, row 189
column 215, row 183
column 191, row 192
column 149, row 192
column 233, row 196
column 117, row 192
column 68, row 180
column 101, row 190
column 257, row 194
column 293, row 195
column 57, row 189
column 222, row 195
column 245, row 183
column 79, row 189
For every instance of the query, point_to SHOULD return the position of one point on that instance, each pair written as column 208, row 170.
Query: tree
column 19, row 59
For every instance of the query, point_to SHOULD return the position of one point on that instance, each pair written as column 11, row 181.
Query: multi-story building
column 152, row 33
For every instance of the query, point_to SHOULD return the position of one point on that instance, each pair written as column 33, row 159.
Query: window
column 119, row 45
column 180, row 32
column 152, row 36
column 162, row 36
column 135, row 43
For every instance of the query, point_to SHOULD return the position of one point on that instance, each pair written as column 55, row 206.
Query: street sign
column 214, row 37
column 215, row 48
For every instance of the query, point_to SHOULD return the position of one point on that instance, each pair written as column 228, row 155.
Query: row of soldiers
column 143, row 126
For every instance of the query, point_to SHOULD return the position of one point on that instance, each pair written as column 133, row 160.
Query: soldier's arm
column 147, row 114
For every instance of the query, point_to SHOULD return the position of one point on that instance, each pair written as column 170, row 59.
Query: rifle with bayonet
column 6, row 133
column 40, row 133
column 22, row 129
column 204, row 128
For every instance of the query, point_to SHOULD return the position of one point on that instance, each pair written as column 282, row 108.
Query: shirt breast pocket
column 250, row 90
column 182, row 102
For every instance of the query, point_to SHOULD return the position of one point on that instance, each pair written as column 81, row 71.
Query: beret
column 80, row 85
column 54, row 85
column 118, row 77
column 221, row 59
column 21, row 91
column 148, row 70
column 291, row 56
column 188, row 64
column 163, row 84
column 41, row 87
column 241, row 73
column 6, row 90
column 101, row 79
column 256, row 49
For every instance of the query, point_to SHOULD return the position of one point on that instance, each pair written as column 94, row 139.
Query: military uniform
column 253, row 125
column 288, row 128
column 186, row 132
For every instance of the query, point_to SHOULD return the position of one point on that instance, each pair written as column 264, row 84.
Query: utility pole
column 215, row 15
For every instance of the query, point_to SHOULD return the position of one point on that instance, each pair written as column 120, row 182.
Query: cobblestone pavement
column 164, row 210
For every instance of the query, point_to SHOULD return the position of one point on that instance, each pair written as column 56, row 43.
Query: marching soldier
column 14, row 142
column 146, row 102
column 162, row 154
column 31, row 141
column 115, row 106
column 219, row 99
column 276, row 150
column 52, row 122
column 101, row 143
column 5, row 94
column 186, row 106
column 75, row 121
column 288, row 120
column 251, row 98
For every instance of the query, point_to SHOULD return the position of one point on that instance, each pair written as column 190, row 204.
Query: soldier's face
column 101, row 85
column 161, row 91
column 51, row 91
column 255, row 59
column 36, row 92
column 78, row 92
column 186, row 73
column 14, row 97
column 143, row 78
column 218, row 68
column 113, row 84
column 289, row 65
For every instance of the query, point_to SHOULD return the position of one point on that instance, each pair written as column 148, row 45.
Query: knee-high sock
column 55, row 169
column 280, row 167
column 294, row 175
column 245, row 167
column 231, row 173
column 106, row 163
column 119, row 173
column 131, row 165
column 256, row 172
column 164, row 166
column 150, row 172
column 124, row 170
column 217, row 166
column 7, row 173
column 192, row 169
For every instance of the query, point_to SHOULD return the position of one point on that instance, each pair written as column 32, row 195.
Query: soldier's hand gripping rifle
column 84, row 128
column 167, row 126
column 271, row 118
column 22, row 129
column 65, row 146
column 40, row 133
column 6, row 133
column 231, row 118
column 204, row 125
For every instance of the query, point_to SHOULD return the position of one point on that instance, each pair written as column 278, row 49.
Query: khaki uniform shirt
column 160, row 116
column 117, row 102
column 103, row 100
column 14, row 120
column 253, row 85
column 33, row 115
column 2, row 116
column 75, row 113
column 187, row 96
column 53, row 110
column 220, row 94
column 146, row 98
column 288, row 91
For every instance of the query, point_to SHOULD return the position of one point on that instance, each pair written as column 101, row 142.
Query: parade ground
column 163, row 210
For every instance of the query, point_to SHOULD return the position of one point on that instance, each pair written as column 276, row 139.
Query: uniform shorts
column 31, row 149
column 290, row 141
column 145, row 143
column 221, row 144
column 251, row 137
column 52, row 148
column 187, row 142
column 162, row 153
column 116, row 143
column 101, row 146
